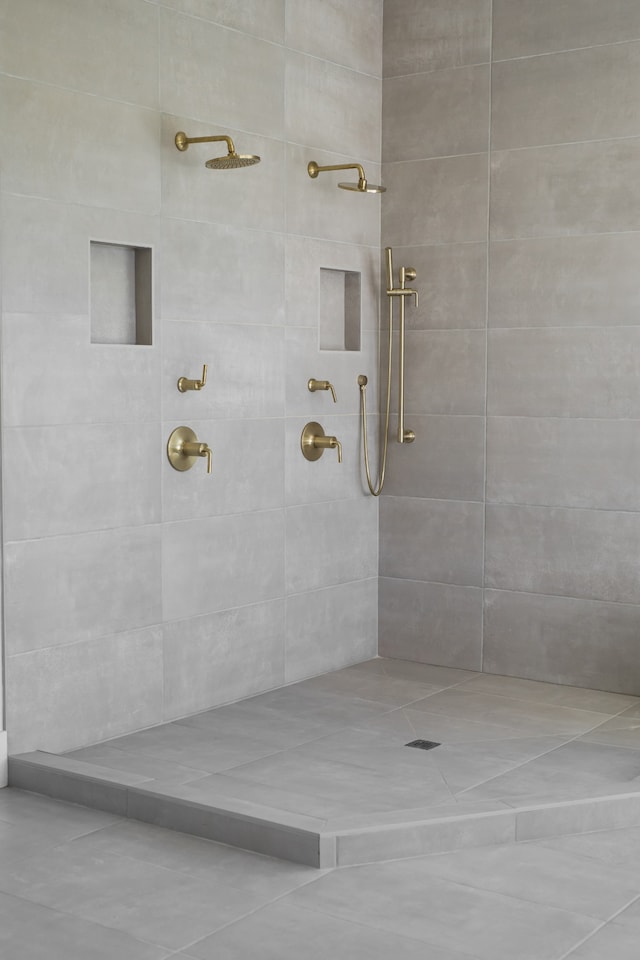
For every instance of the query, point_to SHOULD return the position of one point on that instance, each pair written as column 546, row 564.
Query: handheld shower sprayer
column 401, row 292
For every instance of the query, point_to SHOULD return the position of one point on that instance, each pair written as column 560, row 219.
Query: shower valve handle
column 184, row 384
column 314, row 385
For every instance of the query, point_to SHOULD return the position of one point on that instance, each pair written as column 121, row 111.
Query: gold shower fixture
column 229, row 162
column 362, row 186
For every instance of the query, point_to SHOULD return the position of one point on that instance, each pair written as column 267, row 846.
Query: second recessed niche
column 339, row 309
column 121, row 303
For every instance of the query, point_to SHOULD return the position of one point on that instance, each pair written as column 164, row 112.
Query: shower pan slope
column 319, row 772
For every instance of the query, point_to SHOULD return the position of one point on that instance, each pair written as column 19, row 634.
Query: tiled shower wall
column 510, row 533
column 136, row 594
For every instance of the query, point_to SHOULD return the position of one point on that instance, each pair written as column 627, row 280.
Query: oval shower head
column 232, row 160
column 363, row 186
column 229, row 162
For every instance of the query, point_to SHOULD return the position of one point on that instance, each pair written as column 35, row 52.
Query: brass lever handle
column 184, row 384
column 184, row 447
column 194, row 448
column 314, row 442
column 314, row 385
column 328, row 443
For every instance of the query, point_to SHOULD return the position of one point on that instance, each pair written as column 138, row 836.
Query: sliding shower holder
column 314, row 442
column 313, row 385
column 184, row 384
column 184, row 448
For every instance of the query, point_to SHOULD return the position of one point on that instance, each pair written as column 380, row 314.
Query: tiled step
column 320, row 843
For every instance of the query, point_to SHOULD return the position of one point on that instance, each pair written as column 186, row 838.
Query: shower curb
column 307, row 840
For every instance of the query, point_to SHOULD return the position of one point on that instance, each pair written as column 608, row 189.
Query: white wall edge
column 4, row 765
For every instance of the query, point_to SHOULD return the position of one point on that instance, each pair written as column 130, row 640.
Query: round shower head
column 232, row 160
column 363, row 186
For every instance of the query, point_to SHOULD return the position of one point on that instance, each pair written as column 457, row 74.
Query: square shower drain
column 423, row 744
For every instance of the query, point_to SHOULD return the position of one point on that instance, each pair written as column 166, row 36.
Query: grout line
column 605, row 923
column 486, row 350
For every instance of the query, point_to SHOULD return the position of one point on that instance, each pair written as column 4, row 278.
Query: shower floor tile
column 323, row 764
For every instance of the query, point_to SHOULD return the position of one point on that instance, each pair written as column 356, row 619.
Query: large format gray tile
column 445, row 372
column 541, row 875
column 247, row 565
column 151, row 903
column 445, row 914
column 579, row 698
column 611, row 940
column 345, row 548
column 343, row 628
column 245, row 370
column 345, row 33
column 437, row 623
column 197, row 285
column 537, row 192
column 443, row 200
column 102, row 173
column 610, row 72
column 528, row 717
column 562, row 640
column 196, row 857
column 565, row 281
column 48, row 361
column 29, row 931
column 432, row 540
column 525, row 27
column 89, row 585
column 285, row 931
column 419, row 37
column 328, row 105
column 563, row 462
column 88, row 484
column 263, row 18
column 199, row 77
column 446, row 461
column 567, row 552
column 436, row 114
column 452, row 285
column 564, row 373
column 222, row 656
column 85, row 691
column 106, row 51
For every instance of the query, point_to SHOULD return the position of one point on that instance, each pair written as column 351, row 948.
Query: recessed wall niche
column 339, row 309
column 121, row 302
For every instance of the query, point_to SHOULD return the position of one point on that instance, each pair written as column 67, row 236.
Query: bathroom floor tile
column 445, row 914
column 29, row 931
column 284, row 931
column 150, row 903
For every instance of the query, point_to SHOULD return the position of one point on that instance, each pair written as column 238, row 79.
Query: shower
column 362, row 186
column 401, row 292
column 228, row 162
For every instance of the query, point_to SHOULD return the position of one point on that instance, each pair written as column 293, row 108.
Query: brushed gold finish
column 184, row 384
column 184, row 448
column 230, row 162
column 313, row 442
column 362, row 186
column 401, row 292
column 314, row 385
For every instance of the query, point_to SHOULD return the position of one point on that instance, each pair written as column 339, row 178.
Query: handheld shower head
column 229, row 162
column 362, row 186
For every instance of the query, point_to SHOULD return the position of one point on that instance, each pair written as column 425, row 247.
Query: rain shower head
column 362, row 185
column 229, row 162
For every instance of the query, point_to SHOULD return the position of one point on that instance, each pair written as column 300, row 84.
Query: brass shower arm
column 313, row 169
column 183, row 141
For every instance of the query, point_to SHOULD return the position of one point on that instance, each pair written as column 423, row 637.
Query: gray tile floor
column 76, row 884
column 333, row 747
